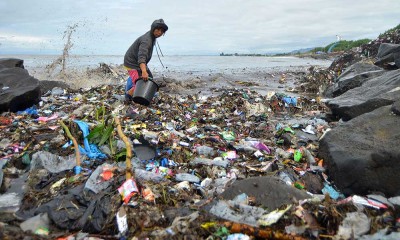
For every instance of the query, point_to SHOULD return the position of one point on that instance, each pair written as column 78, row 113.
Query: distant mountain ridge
column 303, row 50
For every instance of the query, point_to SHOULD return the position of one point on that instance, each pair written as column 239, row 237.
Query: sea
column 183, row 74
column 190, row 64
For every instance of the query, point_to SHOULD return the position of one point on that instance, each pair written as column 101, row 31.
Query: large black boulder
column 48, row 85
column 18, row 90
column 396, row 108
column 363, row 154
column 354, row 76
column 12, row 62
column 376, row 92
column 388, row 56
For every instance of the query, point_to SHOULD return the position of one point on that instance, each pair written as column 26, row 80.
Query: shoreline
column 186, row 80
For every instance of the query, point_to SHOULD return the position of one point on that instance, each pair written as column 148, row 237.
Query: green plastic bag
column 228, row 135
column 297, row 155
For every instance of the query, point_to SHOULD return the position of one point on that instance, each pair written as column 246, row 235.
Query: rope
column 159, row 55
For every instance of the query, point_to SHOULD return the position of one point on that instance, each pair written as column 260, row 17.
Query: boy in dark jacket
column 139, row 54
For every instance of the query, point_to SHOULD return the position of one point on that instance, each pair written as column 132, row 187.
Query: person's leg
column 131, row 83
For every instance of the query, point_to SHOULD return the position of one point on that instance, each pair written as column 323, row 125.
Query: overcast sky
column 195, row 26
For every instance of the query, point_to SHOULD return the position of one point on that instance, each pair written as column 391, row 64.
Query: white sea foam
column 180, row 72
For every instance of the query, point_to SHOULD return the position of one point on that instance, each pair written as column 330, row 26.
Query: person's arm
column 145, row 74
column 143, row 56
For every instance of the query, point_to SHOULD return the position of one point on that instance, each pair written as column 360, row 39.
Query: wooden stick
column 128, row 148
column 266, row 233
column 77, row 154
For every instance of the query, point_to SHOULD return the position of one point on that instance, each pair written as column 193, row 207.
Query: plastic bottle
column 309, row 156
column 57, row 91
column 180, row 177
column 286, row 178
column 220, row 162
column 170, row 126
column 185, row 144
column 192, row 129
column 143, row 175
column 205, row 150
column 282, row 153
column 206, row 182
column 215, row 162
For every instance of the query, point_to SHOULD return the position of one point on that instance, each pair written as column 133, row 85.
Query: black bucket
column 144, row 91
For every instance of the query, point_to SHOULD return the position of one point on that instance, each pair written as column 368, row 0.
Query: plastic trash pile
column 67, row 172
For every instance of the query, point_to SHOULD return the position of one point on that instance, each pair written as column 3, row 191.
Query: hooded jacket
column 142, row 49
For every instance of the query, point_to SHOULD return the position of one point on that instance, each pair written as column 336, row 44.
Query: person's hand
column 145, row 75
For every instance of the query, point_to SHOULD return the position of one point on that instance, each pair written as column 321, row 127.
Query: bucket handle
column 150, row 79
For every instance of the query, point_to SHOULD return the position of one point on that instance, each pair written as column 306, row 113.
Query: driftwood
column 77, row 154
column 128, row 148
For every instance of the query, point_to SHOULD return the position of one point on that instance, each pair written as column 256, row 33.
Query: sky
column 196, row 27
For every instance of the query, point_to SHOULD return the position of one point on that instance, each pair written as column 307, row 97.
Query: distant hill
column 337, row 46
column 303, row 50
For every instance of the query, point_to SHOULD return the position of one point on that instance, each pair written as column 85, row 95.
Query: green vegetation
column 390, row 31
column 347, row 45
column 103, row 131
column 341, row 45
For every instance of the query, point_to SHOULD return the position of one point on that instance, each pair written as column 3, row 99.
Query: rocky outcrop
column 354, row 76
column 18, row 90
column 388, row 56
column 396, row 108
column 377, row 92
column 12, row 62
column 362, row 155
column 344, row 61
column 48, row 85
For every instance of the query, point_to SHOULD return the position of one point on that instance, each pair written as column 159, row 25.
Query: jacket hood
column 159, row 23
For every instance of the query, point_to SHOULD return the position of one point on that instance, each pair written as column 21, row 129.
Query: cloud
column 198, row 27
column 18, row 39
column 20, row 44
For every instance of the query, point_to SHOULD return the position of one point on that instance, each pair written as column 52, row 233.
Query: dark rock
column 11, row 62
column 388, row 56
column 343, row 61
column 305, row 137
column 270, row 192
column 362, row 155
column 171, row 213
column 396, row 108
column 354, row 76
column 356, row 69
column 313, row 182
column 371, row 49
column 377, row 92
column 287, row 139
column 48, row 85
column 18, row 90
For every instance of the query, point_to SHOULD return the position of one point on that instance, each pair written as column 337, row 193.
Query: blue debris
column 90, row 150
